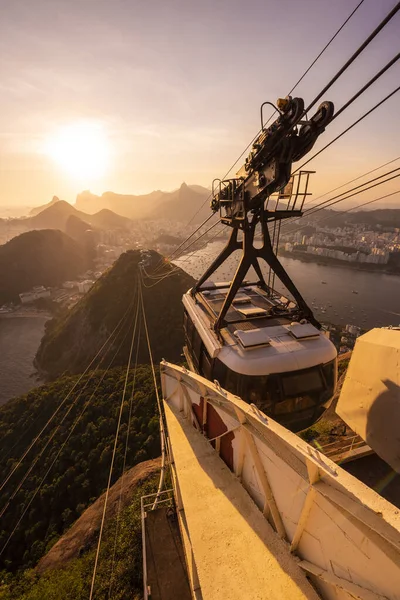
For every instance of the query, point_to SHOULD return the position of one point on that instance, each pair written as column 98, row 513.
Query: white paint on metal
column 283, row 353
column 347, row 536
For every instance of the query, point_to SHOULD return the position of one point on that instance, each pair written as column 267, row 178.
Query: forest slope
column 67, row 468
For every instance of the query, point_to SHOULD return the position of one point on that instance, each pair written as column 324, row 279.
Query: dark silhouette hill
column 45, row 257
column 38, row 209
column 57, row 215
column 72, row 340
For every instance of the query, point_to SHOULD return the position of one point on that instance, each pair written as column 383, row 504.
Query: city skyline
column 175, row 90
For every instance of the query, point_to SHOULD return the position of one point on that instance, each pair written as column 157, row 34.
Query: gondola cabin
column 286, row 368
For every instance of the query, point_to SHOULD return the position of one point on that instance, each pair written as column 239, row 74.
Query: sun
column 81, row 149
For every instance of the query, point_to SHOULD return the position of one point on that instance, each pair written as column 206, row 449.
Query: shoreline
column 18, row 313
column 332, row 262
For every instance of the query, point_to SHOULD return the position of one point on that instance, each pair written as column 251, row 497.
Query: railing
column 147, row 504
column 343, row 446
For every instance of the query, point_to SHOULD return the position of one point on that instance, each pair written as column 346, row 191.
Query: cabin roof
column 259, row 327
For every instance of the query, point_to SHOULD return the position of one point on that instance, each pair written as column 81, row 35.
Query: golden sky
column 132, row 96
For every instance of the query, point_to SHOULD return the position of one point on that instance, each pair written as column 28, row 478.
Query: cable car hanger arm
column 243, row 201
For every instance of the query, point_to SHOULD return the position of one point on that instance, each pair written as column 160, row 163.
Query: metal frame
column 250, row 258
column 144, row 508
column 243, row 201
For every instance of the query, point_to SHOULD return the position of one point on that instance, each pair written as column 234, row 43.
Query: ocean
column 19, row 340
column 347, row 296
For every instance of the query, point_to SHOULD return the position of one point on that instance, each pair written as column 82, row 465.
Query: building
column 37, row 292
column 84, row 286
column 353, row 329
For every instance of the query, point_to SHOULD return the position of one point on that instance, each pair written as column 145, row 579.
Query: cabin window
column 329, row 373
column 299, row 383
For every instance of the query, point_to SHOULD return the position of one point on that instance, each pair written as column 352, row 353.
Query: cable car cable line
column 124, row 461
column 330, row 202
column 114, row 450
column 353, row 57
column 355, row 179
column 77, row 420
column 325, row 48
column 319, row 208
column 290, row 92
column 258, row 133
column 162, row 428
column 366, row 86
column 371, row 110
column 58, row 426
column 336, row 213
column 37, row 437
column 343, row 196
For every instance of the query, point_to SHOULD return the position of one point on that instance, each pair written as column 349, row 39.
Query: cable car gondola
column 264, row 347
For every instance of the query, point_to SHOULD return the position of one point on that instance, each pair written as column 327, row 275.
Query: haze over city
column 133, row 96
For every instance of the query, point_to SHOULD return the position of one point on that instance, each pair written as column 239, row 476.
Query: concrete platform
column 235, row 550
column 166, row 569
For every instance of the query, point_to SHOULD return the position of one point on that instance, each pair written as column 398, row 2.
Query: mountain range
column 178, row 205
column 56, row 215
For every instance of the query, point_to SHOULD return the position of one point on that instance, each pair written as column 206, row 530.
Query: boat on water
column 323, row 282
column 354, row 292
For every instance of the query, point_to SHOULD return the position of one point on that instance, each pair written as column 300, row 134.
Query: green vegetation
column 70, row 341
column 79, row 475
column 45, row 257
column 74, row 579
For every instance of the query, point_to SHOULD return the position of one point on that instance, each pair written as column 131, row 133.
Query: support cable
column 6, row 480
column 77, row 420
column 124, row 463
column 162, row 429
column 162, row 275
column 355, row 179
column 290, row 92
column 366, row 86
column 357, row 187
column 325, row 48
column 345, row 196
column 371, row 110
column 103, row 518
column 336, row 213
column 354, row 56
column 319, row 208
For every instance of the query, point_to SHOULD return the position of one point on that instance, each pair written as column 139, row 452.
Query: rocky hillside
column 45, row 257
column 84, row 532
column 119, row 569
column 72, row 340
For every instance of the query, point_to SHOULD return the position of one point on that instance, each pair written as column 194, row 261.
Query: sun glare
column 81, row 149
